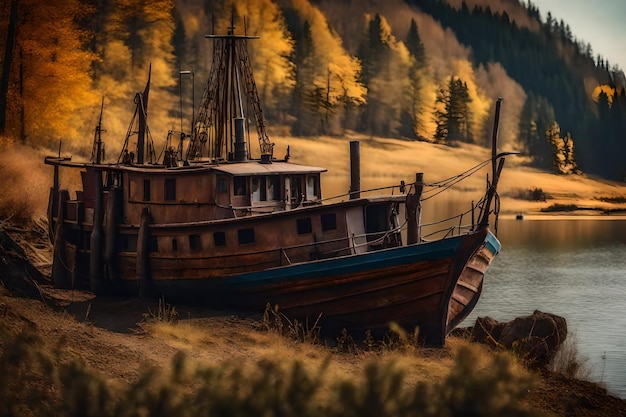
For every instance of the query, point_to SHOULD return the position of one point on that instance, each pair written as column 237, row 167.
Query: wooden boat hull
column 432, row 286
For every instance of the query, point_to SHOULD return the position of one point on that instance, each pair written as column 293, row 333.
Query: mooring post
column 96, row 274
column 60, row 272
column 144, row 247
column 112, row 219
column 414, row 210
column 355, row 170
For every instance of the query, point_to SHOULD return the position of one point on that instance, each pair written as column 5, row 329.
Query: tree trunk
column 6, row 68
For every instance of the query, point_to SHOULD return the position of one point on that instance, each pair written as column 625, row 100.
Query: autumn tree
column 563, row 161
column 48, row 81
column 135, row 36
column 452, row 113
column 327, row 85
column 269, row 55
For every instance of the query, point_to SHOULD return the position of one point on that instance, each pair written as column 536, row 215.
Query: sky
column 598, row 22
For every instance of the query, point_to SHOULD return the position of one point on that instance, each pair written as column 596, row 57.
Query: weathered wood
column 414, row 210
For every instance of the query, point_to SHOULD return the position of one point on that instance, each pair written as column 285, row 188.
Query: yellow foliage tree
column 333, row 72
column 134, row 36
column 50, row 78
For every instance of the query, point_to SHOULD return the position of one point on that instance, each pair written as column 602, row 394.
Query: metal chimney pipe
column 241, row 152
column 355, row 169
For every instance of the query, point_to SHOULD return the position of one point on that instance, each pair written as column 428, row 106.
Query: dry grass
column 568, row 360
column 25, row 183
column 276, row 375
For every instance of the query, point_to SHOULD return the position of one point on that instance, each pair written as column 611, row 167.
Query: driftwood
column 21, row 256
column 535, row 338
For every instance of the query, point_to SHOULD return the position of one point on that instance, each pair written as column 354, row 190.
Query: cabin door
column 356, row 230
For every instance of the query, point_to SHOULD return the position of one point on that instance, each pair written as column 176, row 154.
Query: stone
column 535, row 338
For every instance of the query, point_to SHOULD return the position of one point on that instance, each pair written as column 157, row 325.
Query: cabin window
column 259, row 189
column 376, row 218
column 194, row 243
column 304, row 226
column 312, row 188
column 296, row 190
column 222, row 184
column 273, row 188
column 170, row 189
column 329, row 221
column 154, row 244
column 219, row 239
column 241, row 185
column 174, row 245
column 146, row 190
column 246, row 236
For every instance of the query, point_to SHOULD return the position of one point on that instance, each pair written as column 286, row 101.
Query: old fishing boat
column 207, row 222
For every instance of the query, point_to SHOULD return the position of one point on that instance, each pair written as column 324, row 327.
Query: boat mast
column 141, row 99
column 220, row 125
column 97, row 151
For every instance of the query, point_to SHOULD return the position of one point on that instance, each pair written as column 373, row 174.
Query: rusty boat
column 209, row 223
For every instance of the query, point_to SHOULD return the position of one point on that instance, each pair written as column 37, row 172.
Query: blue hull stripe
column 440, row 249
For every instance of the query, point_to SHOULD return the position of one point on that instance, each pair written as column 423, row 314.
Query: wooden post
column 414, row 210
column 96, row 273
column 60, row 273
column 144, row 277
column 112, row 219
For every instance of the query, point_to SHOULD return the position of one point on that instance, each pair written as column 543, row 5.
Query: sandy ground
column 109, row 336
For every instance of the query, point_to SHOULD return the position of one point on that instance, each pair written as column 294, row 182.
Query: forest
column 428, row 70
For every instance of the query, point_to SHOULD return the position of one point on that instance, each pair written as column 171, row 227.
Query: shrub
column 35, row 383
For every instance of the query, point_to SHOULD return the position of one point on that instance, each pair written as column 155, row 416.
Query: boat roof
column 256, row 168
column 233, row 168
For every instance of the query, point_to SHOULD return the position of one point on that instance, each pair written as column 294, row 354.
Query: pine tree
column 386, row 63
column 411, row 124
column 535, row 119
column 452, row 114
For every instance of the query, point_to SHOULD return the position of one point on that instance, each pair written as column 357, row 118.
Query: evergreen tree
column 452, row 114
column 303, row 58
column 535, row 119
column 410, row 122
column 386, row 63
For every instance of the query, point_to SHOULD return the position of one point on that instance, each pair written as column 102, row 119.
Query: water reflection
column 572, row 267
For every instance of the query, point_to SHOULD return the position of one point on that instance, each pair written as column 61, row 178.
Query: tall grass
column 568, row 360
column 38, row 383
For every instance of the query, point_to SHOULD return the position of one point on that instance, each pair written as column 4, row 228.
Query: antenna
column 96, row 152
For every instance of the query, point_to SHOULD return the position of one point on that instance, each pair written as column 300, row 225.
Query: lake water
column 572, row 267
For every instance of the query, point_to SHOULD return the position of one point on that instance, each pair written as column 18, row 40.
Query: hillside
column 420, row 69
column 387, row 161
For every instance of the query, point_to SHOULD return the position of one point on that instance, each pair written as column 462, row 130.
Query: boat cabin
column 208, row 192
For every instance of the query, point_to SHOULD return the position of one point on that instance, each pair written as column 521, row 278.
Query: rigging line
column 452, row 217
column 128, row 134
column 470, row 171
column 462, row 175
